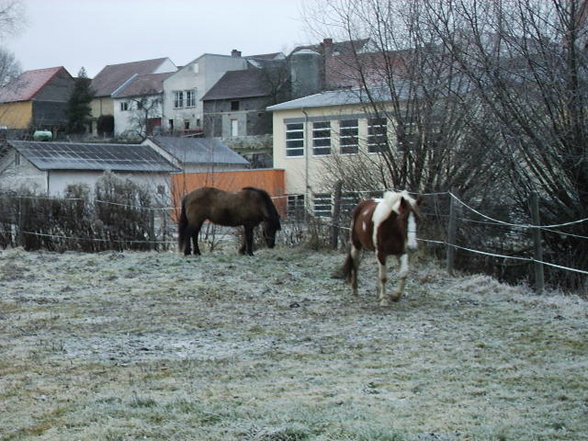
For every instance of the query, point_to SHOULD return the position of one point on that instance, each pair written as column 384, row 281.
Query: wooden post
column 336, row 215
column 451, row 232
column 538, row 250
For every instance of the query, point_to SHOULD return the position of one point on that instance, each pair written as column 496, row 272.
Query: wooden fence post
column 451, row 232
column 336, row 215
column 538, row 250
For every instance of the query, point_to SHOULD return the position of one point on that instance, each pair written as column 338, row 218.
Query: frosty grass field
column 156, row 346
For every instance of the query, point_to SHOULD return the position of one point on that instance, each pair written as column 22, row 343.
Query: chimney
column 327, row 45
column 235, row 53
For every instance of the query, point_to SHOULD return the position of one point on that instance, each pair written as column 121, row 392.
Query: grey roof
column 96, row 157
column 148, row 84
column 199, row 150
column 239, row 84
column 113, row 76
column 343, row 97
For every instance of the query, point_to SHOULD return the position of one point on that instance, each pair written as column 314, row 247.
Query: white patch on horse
column 412, row 238
column 390, row 202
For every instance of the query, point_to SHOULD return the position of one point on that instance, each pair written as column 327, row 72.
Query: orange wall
column 270, row 180
column 16, row 115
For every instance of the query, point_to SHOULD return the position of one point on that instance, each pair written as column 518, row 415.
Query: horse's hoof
column 384, row 302
column 395, row 298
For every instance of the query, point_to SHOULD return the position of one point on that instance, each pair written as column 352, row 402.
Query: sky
column 96, row 33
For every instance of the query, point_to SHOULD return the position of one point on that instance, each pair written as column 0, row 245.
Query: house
column 138, row 106
column 182, row 106
column 235, row 105
column 113, row 78
column 50, row 167
column 310, row 132
column 37, row 99
column 193, row 155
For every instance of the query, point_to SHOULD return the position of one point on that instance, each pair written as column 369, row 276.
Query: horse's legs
column 382, row 279
column 195, row 233
column 402, row 275
column 355, row 255
column 247, row 246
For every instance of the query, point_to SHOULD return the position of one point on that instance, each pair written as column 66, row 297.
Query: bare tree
column 436, row 141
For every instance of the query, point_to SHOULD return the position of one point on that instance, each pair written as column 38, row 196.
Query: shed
column 49, row 167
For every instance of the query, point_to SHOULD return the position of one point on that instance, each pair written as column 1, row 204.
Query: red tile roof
column 28, row 84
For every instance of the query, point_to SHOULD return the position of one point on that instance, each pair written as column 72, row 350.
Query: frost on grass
column 159, row 346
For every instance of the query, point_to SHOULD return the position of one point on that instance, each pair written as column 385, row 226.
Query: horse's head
column 269, row 228
column 410, row 214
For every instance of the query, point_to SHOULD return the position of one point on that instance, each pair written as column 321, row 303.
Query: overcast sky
column 95, row 33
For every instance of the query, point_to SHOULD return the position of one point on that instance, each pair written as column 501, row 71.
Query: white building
column 50, row 167
column 182, row 105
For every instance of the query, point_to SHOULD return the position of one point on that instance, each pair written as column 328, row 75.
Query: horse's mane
column 273, row 214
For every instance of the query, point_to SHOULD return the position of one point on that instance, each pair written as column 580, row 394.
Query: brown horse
column 386, row 226
column 248, row 207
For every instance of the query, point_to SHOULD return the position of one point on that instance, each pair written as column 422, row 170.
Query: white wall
column 199, row 75
column 126, row 122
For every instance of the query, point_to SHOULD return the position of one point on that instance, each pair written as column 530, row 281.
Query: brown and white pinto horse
column 386, row 226
column 249, row 207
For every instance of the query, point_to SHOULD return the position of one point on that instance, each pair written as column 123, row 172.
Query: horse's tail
column 344, row 272
column 183, row 234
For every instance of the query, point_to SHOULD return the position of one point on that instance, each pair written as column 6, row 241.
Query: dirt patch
column 158, row 346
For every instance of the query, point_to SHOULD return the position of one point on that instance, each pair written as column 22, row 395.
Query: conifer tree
column 78, row 106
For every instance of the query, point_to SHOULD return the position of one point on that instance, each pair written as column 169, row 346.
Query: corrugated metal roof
column 89, row 156
column 114, row 76
column 27, row 85
column 341, row 97
column 199, row 150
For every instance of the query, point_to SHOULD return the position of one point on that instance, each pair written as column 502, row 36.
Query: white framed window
column 322, row 205
column 321, row 138
column 124, row 106
column 295, row 205
column 349, row 136
column 190, row 98
column 295, row 139
column 179, row 99
column 377, row 140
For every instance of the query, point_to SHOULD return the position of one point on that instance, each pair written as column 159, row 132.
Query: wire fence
column 484, row 241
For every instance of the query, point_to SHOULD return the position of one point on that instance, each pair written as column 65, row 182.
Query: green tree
column 78, row 106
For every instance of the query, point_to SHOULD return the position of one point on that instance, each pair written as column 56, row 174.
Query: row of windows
column 321, row 133
column 184, row 98
column 322, row 203
column 139, row 104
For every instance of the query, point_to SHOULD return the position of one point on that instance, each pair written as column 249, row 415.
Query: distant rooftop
column 199, row 150
column 28, row 84
column 94, row 157
column 113, row 76
column 239, row 84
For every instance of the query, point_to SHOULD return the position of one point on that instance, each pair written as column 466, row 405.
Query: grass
column 224, row 347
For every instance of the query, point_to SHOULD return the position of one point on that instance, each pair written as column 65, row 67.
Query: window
column 322, row 205
column 190, row 98
column 234, row 106
column 296, row 206
column 295, row 139
column 321, row 138
column 178, row 99
column 408, row 137
column 124, row 106
column 377, row 140
column 349, row 135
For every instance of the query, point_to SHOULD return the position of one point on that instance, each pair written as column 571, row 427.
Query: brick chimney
column 235, row 53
